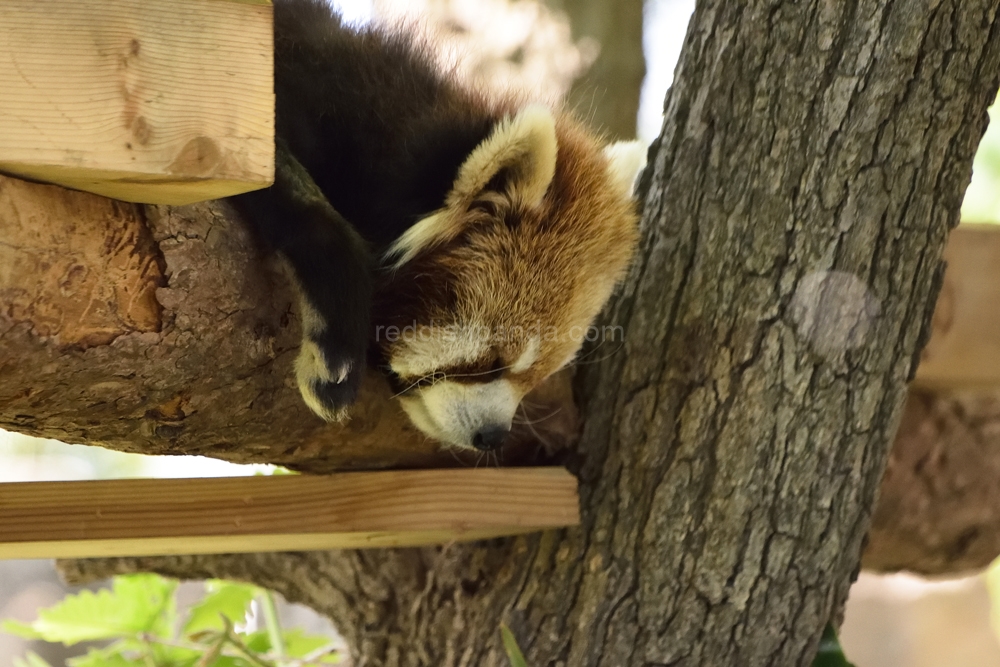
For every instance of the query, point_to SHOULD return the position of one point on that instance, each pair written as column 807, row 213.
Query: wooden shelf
column 154, row 101
column 964, row 349
column 145, row 517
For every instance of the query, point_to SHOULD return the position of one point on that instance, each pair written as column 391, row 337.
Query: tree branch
column 166, row 330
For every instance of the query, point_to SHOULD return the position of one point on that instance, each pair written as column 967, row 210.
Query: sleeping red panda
column 460, row 241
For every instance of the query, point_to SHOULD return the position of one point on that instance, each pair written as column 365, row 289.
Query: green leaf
column 12, row 627
column 273, row 471
column 174, row 656
column 511, row 647
column 156, row 596
column 225, row 598
column 136, row 653
column 138, row 603
column 32, row 659
column 98, row 658
column 269, row 611
column 258, row 642
column 982, row 198
column 298, row 645
column 231, row 661
column 830, row 654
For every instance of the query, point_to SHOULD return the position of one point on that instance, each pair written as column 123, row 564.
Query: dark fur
column 521, row 219
column 365, row 116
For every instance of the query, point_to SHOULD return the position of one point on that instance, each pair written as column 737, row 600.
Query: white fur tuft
column 425, row 233
column 525, row 144
column 528, row 356
column 625, row 160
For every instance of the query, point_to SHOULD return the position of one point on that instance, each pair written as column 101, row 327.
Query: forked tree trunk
column 812, row 161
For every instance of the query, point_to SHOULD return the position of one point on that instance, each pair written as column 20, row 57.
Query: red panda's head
column 497, row 290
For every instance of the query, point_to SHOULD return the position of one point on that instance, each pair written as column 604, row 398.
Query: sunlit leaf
column 231, row 661
column 993, row 587
column 174, row 656
column 273, row 471
column 12, row 627
column 510, row 646
column 139, row 603
column 982, row 198
column 258, row 642
column 225, row 598
column 99, row 658
column 139, row 611
column 31, row 660
column 156, row 596
column 298, row 645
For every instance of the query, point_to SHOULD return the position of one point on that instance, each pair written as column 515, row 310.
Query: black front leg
column 333, row 267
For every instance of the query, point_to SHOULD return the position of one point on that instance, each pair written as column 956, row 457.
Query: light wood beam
column 143, row 517
column 964, row 349
column 154, row 101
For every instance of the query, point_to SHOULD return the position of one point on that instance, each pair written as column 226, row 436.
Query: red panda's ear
column 521, row 151
column 625, row 160
column 519, row 158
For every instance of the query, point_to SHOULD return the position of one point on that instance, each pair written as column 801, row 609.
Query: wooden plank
column 136, row 517
column 964, row 349
column 155, row 101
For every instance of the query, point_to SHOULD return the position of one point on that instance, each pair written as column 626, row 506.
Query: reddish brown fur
column 501, row 226
column 512, row 266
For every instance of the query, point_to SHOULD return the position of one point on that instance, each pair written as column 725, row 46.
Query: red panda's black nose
column 490, row 437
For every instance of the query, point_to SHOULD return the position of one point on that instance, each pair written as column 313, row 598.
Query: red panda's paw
column 329, row 379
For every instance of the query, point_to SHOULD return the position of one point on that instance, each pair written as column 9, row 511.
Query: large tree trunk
column 812, row 161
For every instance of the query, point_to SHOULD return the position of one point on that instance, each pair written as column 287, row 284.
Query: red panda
column 461, row 241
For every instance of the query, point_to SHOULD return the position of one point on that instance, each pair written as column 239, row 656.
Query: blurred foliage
column 830, row 653
column 26, row 458
column 61, row 460
column 138, row 616
column 511, row 648
column 982, row 199
column 992, row 576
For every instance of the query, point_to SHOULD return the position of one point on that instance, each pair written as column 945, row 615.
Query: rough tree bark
column 812, row 161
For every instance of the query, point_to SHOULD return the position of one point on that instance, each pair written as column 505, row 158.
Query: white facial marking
column 428, row 349
column 528, row 357
column 454, row 412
